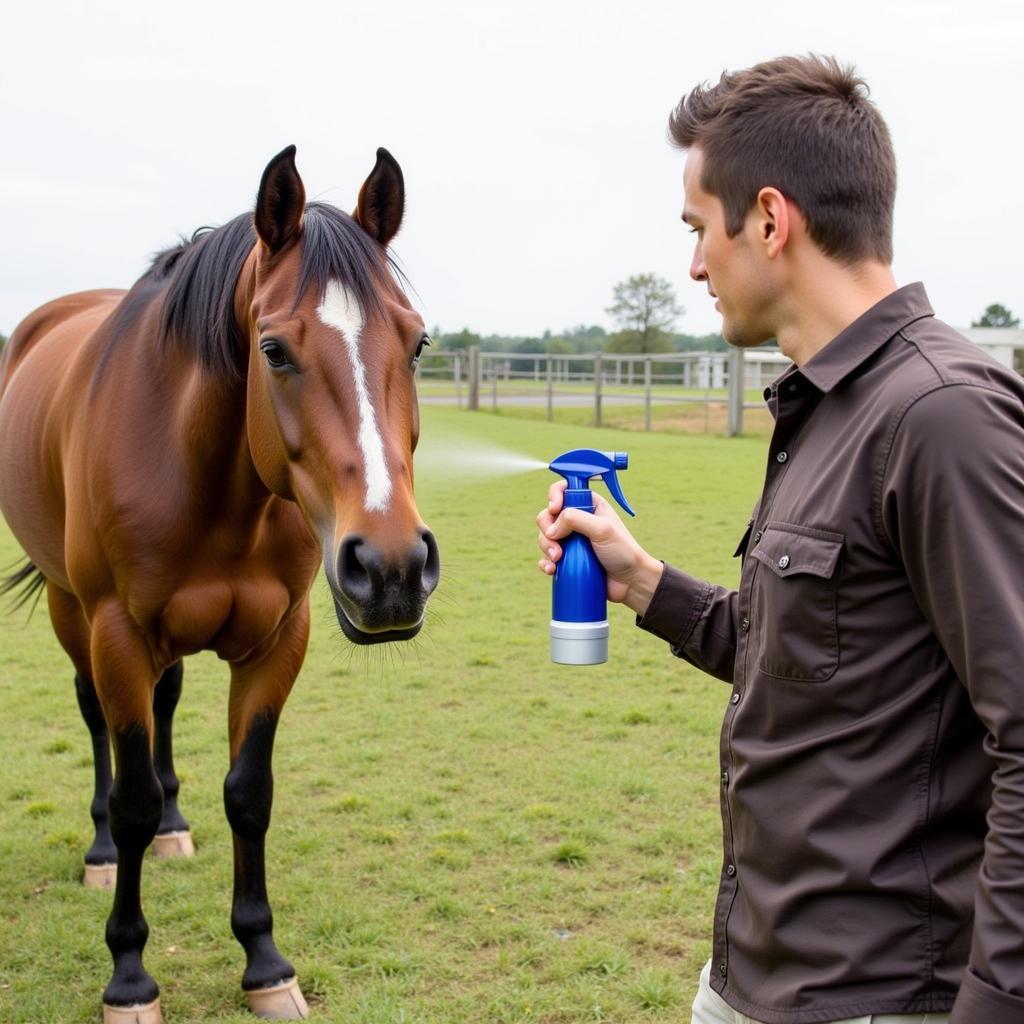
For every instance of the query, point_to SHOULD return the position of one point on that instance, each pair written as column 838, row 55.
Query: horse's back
column 37, row 377
column 75, row 315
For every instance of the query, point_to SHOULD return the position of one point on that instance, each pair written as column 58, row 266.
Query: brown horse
column 177, row 461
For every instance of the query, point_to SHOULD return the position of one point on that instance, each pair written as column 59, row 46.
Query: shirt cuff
column 979, row 1001
column 676, row 607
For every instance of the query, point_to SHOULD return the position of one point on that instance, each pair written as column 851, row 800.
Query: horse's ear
column 382, row 199
column 280, row 202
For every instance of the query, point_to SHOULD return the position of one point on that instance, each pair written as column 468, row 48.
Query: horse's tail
column 29, row 580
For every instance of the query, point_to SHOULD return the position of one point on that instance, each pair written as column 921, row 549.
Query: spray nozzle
column 582, row 464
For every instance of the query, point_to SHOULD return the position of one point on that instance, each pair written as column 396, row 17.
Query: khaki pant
column 710, row 1008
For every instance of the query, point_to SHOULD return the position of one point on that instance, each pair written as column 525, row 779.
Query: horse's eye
column 274, row 354
column 424, row 342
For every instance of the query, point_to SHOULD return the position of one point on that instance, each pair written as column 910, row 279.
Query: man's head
column 788, row 149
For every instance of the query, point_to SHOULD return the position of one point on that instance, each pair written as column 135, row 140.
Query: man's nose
column 697, row 269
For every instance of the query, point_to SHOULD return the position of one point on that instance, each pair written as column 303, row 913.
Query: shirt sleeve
column 952, row 502
column 697, row 619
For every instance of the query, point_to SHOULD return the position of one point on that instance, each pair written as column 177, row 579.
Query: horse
column 177, row 462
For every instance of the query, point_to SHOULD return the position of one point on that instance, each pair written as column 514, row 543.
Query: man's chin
column 734, row 333
column 382, row 636
column 740, row 336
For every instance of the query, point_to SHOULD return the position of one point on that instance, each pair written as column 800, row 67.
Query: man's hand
column 633, row 574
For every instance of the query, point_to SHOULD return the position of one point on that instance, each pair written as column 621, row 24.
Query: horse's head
column 331, row 405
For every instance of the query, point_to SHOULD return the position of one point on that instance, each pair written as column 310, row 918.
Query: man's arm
column 697, row 619
column 952, row 503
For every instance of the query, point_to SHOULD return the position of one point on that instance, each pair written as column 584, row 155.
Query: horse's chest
column 232, row 617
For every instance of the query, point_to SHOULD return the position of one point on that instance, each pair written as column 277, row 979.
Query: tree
column 528, row 345
column 558, row 347
column 462, row 340
column 997, row 316
column 645, row 306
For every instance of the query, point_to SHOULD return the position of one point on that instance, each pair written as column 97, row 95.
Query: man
column 875, row 647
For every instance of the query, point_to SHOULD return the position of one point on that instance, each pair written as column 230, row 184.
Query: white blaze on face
column 341, row 310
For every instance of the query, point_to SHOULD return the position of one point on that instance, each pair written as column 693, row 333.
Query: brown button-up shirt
column 872, row 754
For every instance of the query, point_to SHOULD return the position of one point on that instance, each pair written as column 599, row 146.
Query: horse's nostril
column 355, row 562
column 432, row 565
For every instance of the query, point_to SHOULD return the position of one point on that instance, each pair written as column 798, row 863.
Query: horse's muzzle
column 378, row 600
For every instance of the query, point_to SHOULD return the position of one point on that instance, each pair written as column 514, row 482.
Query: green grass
column 463, row 832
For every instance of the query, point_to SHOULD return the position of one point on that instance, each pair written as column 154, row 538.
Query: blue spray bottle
column 579, row 619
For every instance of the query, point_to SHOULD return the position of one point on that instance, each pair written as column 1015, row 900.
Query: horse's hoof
column 100, row 876
column 279, row 1002
column 148, row 1013
column 173, row 844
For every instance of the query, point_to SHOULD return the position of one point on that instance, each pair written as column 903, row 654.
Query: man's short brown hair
column 805, row 126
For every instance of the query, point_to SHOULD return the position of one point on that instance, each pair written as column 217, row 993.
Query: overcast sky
column 531, row 135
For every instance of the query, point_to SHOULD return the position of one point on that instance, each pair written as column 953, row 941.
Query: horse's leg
column 73, row 633
column 101, row 857
column 173, row 838
column 259, row 689
column 125, row 677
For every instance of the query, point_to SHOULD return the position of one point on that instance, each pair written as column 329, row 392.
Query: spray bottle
column 579, row 619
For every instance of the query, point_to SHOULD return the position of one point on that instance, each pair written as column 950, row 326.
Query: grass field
column 463, row 832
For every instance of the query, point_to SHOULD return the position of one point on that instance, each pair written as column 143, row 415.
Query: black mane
column 200, row 277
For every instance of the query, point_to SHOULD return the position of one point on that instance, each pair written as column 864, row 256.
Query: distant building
column 1005, row 344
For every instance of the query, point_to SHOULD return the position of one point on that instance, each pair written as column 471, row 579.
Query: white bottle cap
column 579, row 643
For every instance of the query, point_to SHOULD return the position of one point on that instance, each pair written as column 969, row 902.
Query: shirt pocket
column 794, row 601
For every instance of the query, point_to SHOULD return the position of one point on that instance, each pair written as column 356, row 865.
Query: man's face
column 734, row 269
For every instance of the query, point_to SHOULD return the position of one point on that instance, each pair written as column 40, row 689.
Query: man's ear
column 774, row 220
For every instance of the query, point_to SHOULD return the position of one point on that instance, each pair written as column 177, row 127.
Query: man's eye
column 424, row 342
column 274, row 354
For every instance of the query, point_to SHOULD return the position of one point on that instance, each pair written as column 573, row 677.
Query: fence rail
column 707, row 381
column 713, row 388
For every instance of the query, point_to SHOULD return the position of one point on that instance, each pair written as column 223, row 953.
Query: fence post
column 457, row 375
column 474, row 378
column 597, row 388
column 647, row 393
column 736, row 383
column 551, row 390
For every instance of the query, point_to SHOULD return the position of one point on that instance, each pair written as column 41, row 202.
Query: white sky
column 531, row 134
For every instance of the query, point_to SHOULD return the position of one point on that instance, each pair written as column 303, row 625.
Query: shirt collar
column 866, row 335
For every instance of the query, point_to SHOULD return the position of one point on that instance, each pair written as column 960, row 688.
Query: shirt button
column 731, row 870
column 782, row 456
column 792, row 387
column 734, row 699
column 745, row 625
column 723, row 969
column 725, row 778
column 784, row 561
column 767, row 393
